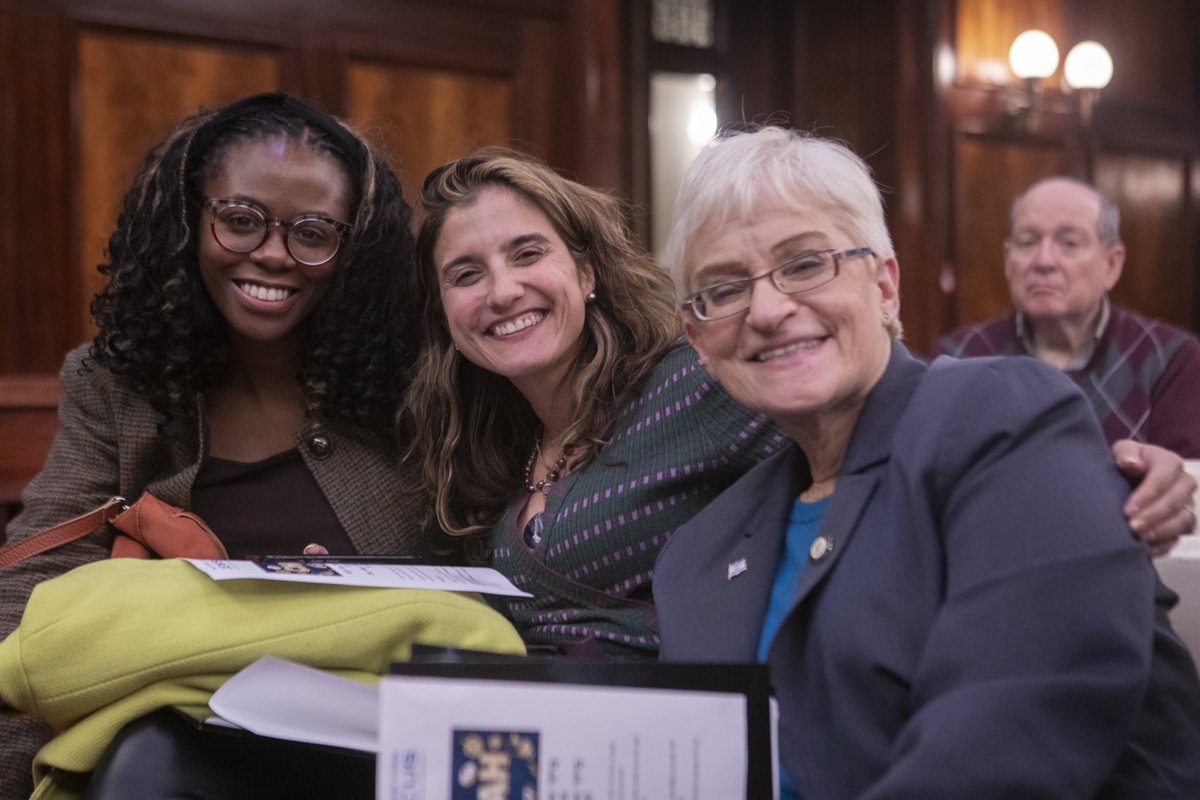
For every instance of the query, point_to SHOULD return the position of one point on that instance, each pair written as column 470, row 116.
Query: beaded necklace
column 553, row 475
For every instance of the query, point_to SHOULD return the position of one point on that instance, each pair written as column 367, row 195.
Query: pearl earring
column 591, row 296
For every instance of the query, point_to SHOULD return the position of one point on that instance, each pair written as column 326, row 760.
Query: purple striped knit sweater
column 678, row 445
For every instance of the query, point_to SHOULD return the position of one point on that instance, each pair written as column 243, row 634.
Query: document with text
column 550, row 741
column 361, row 573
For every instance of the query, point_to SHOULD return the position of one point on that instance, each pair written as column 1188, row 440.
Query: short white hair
column 738, row 173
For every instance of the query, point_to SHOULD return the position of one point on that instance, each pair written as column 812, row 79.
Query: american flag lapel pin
column 735, row 568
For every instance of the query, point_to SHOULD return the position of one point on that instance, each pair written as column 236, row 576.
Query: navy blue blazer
column 983, row 624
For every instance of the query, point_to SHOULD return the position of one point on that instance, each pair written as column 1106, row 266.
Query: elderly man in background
column 1062, row 257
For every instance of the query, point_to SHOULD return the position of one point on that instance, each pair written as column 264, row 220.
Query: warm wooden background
column 89, row 85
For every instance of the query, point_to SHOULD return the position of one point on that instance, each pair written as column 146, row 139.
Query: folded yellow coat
column 111, row 641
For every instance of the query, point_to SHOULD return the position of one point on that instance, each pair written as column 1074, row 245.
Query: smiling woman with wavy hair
column 561, row 424
column 627, row 328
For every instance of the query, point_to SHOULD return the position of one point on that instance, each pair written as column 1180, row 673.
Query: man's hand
column 1160, row 510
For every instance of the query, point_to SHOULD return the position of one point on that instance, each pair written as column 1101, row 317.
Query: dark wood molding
column 28, row 422
column 35, row 391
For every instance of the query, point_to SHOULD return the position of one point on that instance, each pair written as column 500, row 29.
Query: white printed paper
column 284, row 700
column 344, row 573
column 453, row 739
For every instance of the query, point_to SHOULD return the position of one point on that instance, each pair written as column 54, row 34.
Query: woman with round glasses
column 241, row 227
column 249, row 357
column 935, row 568
column 562, row 427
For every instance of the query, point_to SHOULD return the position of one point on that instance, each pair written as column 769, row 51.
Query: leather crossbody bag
column 149, row 528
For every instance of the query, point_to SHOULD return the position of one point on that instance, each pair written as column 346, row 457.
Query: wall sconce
column 1088, row 69
column 1033, row 57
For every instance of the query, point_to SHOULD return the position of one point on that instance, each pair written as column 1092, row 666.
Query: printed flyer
column 512, row 740
column 360, row 572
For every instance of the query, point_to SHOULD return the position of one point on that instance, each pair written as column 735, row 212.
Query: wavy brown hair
column 470, row 429
column 161, row 331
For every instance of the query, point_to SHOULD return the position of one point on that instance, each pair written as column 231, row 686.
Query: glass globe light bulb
column 1088, row 66
column 1033, row 55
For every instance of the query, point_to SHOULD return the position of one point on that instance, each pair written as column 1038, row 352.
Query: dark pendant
column 533, row 531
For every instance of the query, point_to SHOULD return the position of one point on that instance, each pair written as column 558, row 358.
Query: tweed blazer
column 108, row 444
column 976, row 620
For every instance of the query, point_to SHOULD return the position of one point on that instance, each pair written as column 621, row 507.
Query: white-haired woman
column 936, row 570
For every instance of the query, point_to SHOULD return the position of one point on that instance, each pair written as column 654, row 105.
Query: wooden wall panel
column 856, row 86
column 593, row 100
column 133, row 91
column 36, row 251
column 1160, row 272
column 427, row 117
column 9, row 274
column 918, row 210
column 1153, row 49
column 990, row 173
column 985, row 30
column 1192, row 229
column 536, row 89
column 28, row 422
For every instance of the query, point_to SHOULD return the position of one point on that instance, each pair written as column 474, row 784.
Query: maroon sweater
column 1143, row 379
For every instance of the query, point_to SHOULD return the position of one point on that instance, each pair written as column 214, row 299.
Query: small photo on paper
column 299, row 567
column 499, row 764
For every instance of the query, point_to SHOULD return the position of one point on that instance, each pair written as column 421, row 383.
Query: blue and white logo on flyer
column 494, row 764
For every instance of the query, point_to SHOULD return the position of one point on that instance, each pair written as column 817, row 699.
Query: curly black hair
column 160, row 330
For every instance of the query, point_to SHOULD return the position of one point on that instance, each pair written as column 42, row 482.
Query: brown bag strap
column 61, row 534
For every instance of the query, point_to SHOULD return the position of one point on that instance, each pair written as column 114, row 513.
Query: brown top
column 273, row 506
